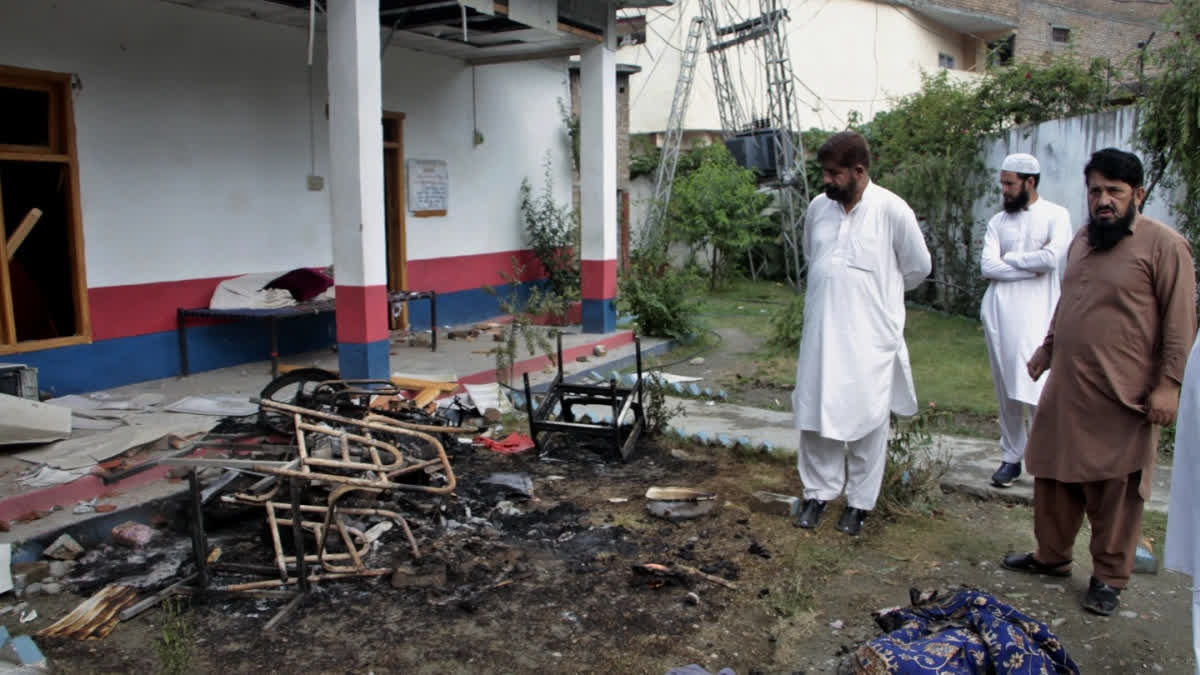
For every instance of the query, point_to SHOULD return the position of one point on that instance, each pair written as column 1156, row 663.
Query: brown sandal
column 1026, row 562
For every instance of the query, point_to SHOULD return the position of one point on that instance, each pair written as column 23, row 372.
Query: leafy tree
column 717, row 206
column 1170, row 120
column 928, row 150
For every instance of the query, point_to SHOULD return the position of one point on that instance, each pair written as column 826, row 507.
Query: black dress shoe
column 1025, row 562
column 852, row 520
column 810, row 515
column 1006, row 474
column 1101, row 598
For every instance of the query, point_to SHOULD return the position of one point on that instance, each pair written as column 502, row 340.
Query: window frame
column 59, row 150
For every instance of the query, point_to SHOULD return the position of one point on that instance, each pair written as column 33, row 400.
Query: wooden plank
column 22, row 231
column 426, row 397
column 8, row 321
column 429, row 214
column 34, row 345
column 83, row 316
column 418, row 384
column 31, row 154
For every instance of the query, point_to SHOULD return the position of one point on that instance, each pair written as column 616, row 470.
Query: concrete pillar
column 356, row 188
column 598, row 187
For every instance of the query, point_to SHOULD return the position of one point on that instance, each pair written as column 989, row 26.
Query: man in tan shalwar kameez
column 1116, row 351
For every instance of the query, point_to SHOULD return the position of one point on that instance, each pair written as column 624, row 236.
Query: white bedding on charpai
column 246, row 292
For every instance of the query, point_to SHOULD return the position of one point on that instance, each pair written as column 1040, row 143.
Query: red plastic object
column 511, row 445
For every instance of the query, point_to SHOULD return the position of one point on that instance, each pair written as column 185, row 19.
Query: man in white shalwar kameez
column 1183, row 510
column 1024, row 251
column 864, row 250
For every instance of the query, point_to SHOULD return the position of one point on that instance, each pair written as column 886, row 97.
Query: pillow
column 304, row 284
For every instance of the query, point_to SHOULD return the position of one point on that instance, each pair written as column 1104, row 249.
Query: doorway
column 393, row 201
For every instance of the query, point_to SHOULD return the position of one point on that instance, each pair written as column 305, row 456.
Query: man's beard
column 1018, row 203
column 1103, row 236
column 842, row 195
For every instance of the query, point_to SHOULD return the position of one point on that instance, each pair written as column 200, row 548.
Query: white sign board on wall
column 428, row 186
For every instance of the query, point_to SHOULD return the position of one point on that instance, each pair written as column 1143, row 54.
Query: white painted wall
column 1063, row 148
column 851, row 54
column 192, row 135
column 517, row 112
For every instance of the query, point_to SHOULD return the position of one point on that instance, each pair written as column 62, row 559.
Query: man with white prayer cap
column 1183, row 511
column 864, row 249
column 1024, row 251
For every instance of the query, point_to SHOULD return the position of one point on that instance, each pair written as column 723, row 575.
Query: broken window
column 42, row 284
column 1060, row 34
column 1000, row 52
column 631, row 30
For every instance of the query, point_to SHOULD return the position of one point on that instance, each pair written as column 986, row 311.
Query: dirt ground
column 546, row 584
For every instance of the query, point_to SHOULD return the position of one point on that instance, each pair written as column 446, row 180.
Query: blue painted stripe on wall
column 466, row 306
column 364, row 361
column 599, row 316
column 112, row 363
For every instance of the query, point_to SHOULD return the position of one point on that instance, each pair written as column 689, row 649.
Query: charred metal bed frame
column 565, row 396
column 371, row 475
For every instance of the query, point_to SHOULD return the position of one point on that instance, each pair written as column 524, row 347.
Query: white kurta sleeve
column 908, row 243
column 1050, row 256
column 992, row 265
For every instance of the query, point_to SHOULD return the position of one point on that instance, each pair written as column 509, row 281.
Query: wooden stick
column 22, row 231
column 708, row 577
column 418, row 384
column 151, row 600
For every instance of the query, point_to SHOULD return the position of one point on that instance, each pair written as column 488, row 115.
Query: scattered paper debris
column 485, row 396
column 220, row 405
column 64, row 548
column 24, row 421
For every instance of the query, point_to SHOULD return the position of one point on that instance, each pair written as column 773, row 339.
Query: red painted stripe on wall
column 361, row 313
column 466, row 272
column 139, row 309
column 599, row 280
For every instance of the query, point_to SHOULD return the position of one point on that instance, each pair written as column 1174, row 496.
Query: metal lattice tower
column 730, row 111
column 781, row 105
column 669, row 157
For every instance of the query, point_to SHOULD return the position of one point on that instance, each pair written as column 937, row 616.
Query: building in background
column 173, row 144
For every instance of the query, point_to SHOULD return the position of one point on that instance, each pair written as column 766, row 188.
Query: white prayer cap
column 1021, row 163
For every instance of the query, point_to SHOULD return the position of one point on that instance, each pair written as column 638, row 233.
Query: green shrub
column 913, row 474
column 661, row 297
column 787, row 324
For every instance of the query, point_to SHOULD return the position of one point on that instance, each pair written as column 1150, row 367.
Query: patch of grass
column 1154, row 528
column 175, row 645
column 950, row 362
column 746, row 305
column 792, row 597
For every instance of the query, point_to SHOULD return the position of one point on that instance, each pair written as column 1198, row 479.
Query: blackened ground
column 547, row 583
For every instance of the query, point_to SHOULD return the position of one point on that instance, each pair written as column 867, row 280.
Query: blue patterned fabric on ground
column 971, row 633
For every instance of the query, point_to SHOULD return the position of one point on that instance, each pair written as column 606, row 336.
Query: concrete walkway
column 972, row 460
